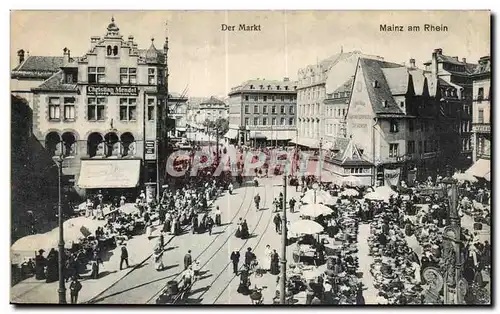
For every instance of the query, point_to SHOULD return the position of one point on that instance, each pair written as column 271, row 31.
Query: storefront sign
column 150, row 150
column 106, row 90
column 391, row 176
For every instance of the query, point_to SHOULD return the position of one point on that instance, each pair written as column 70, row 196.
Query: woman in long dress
column 416, row 274
column 266, row 258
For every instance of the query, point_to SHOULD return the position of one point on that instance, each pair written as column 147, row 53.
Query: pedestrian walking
column 124, row 256
column 74, row 287
column 277, row 223
column 249, row 257
column 235, row 259
column 210, row 224
column 292, row 205
column 188, row 260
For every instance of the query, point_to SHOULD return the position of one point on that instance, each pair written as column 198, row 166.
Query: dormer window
column 261, row 86
column 286, row 87
column 269, row 87
column 251, row 86
column 278, row 87
column 384, row 103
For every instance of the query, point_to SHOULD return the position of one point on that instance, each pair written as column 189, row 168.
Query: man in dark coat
column 209, row 223
column 249, row 257
column 194, row 222
column 277, row 223
column 124, row 257
column 75, row 287
column 188, row 260
column 235, row 259
column 292, row 205
column 40, row 262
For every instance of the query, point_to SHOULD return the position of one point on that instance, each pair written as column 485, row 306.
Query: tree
column 222, row 126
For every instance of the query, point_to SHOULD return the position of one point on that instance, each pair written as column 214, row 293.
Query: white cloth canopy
column 305, row 227
column 466, row 176
column 381, row 193
column 35, row 242
column 351, row 180
column 322, row 197
column 349, row 192
column 315, row 210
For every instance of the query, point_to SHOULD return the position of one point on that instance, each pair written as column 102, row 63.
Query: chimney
column 464, row 60
column 455, row 57
column 67, row 55
column 434, row 63
column 94, row 39
column 20, row 54
column 286, row 79
column 131, row 40
column 484, row 60
column 412, row 63
column 438, row 51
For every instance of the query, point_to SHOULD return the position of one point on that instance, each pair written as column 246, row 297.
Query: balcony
column 481, row 127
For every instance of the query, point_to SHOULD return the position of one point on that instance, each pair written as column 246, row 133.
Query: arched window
column 115, row 50
column 53, row 144
column 112, row 144
column 109, row 50
column 95, row 145
column 69, row 144
column 128, row 144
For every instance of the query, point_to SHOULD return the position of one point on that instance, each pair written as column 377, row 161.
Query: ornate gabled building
column 104, row 112
column 403, row 120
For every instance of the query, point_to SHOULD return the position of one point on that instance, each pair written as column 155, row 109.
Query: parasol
column 315, row 210
column 381, row 193
column 350, row 192
column 89, row 225
column 461, row 177
column 305, row 227
column 322, row 197
column 314, row 273
column 35, row 242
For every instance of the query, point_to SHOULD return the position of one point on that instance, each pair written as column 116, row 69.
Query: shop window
column 95, row 145
column 127, row 144
column 53, row 144
column 69, row 144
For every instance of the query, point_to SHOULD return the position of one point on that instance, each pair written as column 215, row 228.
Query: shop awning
column 101, row 174
column 257, row 135
column 232, row 134
column 481, row 169
column 308, row 142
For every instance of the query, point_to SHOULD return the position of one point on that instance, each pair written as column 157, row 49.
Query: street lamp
column 283, row 246
column 62, row 289
column 315, row 189
column 320, row 157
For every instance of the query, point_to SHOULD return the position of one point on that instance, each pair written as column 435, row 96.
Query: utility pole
column 62, row 287
column 320, row 158
column 283, row 246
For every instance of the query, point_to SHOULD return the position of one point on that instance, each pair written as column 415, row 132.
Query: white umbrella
column 349, row 192
column 89, row 224
column 322, row 197
column 305, row 227
column 375, row 197
column 464, row 177
column 35, row 242
column 315, row 210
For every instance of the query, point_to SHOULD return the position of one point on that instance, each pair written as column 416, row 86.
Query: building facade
column 263, row 112
column 322, row 94
column 481, row 119
column 211, row 109
column 401, row 119
column 105, row 113
column 458, row 75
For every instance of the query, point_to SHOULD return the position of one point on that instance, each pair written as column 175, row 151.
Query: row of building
column 392, row 120
column 106, row 113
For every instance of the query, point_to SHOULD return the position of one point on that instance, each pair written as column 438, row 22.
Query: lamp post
column 320, row 157
column 315, row 189
column 455, row 286
column 62, row 288
column 283, row 246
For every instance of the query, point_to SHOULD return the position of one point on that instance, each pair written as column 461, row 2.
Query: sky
column 209, row 61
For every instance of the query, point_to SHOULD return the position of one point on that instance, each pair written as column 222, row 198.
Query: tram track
column 199, row 298
column 158, row 293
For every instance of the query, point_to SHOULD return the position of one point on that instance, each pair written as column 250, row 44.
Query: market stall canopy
column 95, row 174
column 305, row 227
column 349, row 192
column 90, row 225
column 315, row 210
column 461, row 177
column 33, row 243
column 322, row 197
column 381, row 193
column 481, row 169
column 232, row 134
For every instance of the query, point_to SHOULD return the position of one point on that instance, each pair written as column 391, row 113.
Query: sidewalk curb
column 90, row 301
